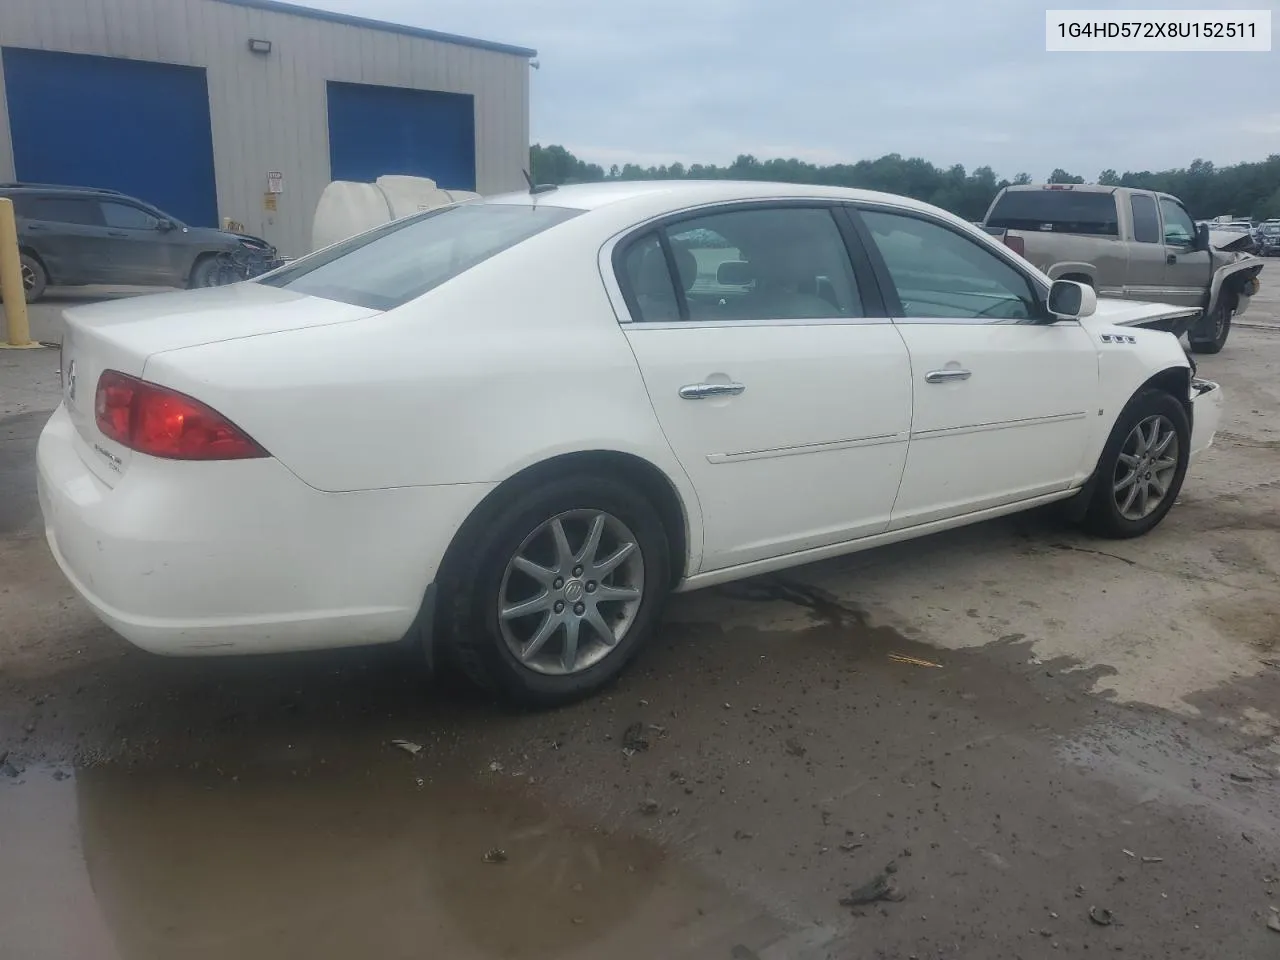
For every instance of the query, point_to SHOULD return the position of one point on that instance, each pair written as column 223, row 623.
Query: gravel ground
column 1022, row 742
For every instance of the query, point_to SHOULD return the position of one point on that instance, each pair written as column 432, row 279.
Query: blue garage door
column 128, row 125
column 378, row 131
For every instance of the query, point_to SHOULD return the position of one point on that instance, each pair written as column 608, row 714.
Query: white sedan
column 506, row 429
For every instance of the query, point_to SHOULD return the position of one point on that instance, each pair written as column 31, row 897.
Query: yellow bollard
column 14, row 297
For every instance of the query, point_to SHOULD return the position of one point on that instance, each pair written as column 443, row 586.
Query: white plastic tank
column 347, row 208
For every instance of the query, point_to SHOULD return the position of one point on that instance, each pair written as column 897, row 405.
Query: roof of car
column 682, row 193
column 1077, row 187
column 19, row 186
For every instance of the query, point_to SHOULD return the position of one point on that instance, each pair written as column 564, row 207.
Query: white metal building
column 246, row 109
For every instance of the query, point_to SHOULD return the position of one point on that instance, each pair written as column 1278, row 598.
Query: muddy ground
column 1028, row 743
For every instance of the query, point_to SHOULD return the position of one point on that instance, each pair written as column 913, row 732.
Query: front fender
column 1130, row 359
column 1234, row 277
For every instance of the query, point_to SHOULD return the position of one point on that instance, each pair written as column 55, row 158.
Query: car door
column 1145, row 279
column 140, row 252
column 1187, row 272
column 68, row 233
column 1001, row 401
column 782, row 387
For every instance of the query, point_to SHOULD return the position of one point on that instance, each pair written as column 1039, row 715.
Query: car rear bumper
column 1206, row 401
column 237, row 557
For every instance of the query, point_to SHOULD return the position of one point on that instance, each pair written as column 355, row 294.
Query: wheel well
column 1175, row 381
column 1230, row 293
column 200, row 258
column 625, row 467
column 29, row 252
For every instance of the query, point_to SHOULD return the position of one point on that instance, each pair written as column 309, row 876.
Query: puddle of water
column 143, row 865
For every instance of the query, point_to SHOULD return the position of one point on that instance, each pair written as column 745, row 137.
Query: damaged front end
column 1149, row 316
column 1236, row 273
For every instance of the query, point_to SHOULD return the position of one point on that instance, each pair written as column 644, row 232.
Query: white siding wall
column 269, row 112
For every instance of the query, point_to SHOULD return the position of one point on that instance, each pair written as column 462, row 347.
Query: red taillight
column 164, row 423
column 1016, row 244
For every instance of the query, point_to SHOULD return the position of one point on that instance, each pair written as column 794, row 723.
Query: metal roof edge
column 346, row 19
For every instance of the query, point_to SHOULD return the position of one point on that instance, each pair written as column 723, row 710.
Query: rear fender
column 1057, row 271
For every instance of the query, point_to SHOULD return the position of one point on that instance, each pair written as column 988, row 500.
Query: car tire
column 34, row 278
column 488, row 579
column 1210, row 336
column 206, row 272
column 1151, row 423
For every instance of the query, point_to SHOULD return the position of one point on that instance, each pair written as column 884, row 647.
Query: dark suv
column 1269, row 238
column 71, row 236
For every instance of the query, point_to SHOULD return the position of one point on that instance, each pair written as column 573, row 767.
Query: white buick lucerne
column 506, row 429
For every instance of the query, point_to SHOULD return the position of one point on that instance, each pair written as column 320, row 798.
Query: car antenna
column 535, row 189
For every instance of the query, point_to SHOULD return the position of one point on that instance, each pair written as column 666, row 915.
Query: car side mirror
column 1201, row 241
column 164, row 226
column 1069, row 300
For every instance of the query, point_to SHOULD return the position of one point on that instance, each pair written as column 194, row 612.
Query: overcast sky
column 953, row 81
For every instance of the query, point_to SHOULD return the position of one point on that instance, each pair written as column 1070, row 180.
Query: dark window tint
column 67, row 210
column 1146, row 222
column 395, row 263
column 1178, row 226
column 940, row 273
column 125, row 216
column 1058, row 211
column 648, row 282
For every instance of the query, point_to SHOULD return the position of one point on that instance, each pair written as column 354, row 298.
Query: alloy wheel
column 571, row 592
column 1146, row 467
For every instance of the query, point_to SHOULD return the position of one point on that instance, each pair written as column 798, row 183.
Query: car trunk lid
column 122, row 334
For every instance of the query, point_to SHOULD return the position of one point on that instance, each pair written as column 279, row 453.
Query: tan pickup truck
column 1134, row 245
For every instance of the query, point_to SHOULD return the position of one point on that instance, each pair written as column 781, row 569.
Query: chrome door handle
column 946, row 376
column 700, row 391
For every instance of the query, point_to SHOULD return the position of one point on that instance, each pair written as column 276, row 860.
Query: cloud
column 953, row 81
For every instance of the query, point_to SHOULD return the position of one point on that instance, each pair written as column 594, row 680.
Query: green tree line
column 1242, row 189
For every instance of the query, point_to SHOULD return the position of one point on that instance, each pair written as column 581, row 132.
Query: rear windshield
column 401, row 260
column 1057, row 211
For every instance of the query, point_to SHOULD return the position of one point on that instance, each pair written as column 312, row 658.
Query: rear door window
column 760, row 264
column 73, row 210
column 1146, row 222
column 648, row 281
column 404, row 259
column 1059, row 211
